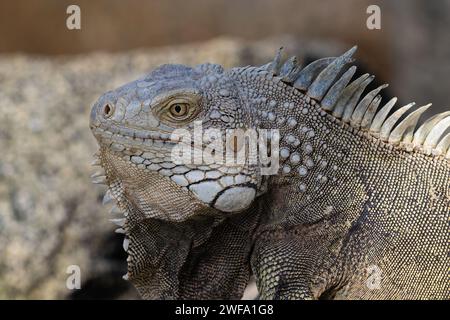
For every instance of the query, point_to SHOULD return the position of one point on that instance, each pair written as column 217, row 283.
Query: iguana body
column 359, row 208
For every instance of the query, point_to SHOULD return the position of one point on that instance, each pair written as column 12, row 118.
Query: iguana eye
column 179, row 110
column 176, row 109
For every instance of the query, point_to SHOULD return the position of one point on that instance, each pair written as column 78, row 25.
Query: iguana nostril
column 108, row 110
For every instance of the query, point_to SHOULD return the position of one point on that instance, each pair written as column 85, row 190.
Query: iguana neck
column 312, row 163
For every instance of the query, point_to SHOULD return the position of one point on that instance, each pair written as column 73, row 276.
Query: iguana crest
column 327, row 83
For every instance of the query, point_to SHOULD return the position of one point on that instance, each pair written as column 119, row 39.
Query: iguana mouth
column 131, row 133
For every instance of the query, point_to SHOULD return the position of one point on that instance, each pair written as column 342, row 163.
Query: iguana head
column 164, row 141
column 153, row 135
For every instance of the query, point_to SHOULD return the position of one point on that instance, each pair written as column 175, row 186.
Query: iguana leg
column 292, row 264
column 195, row 259
column 219, row 268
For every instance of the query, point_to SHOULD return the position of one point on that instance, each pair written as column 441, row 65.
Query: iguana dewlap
column 358, row 209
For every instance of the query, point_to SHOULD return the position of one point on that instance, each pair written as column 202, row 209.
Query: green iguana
column 358, row 209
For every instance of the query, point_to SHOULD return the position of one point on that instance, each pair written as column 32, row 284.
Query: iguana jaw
column 151, row 194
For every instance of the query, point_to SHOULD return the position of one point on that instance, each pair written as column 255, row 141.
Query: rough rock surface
column 51, row 215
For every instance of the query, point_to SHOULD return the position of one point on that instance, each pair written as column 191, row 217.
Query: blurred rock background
column 50, row 214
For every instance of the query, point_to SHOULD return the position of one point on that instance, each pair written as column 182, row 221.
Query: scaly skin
column 358, row 210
